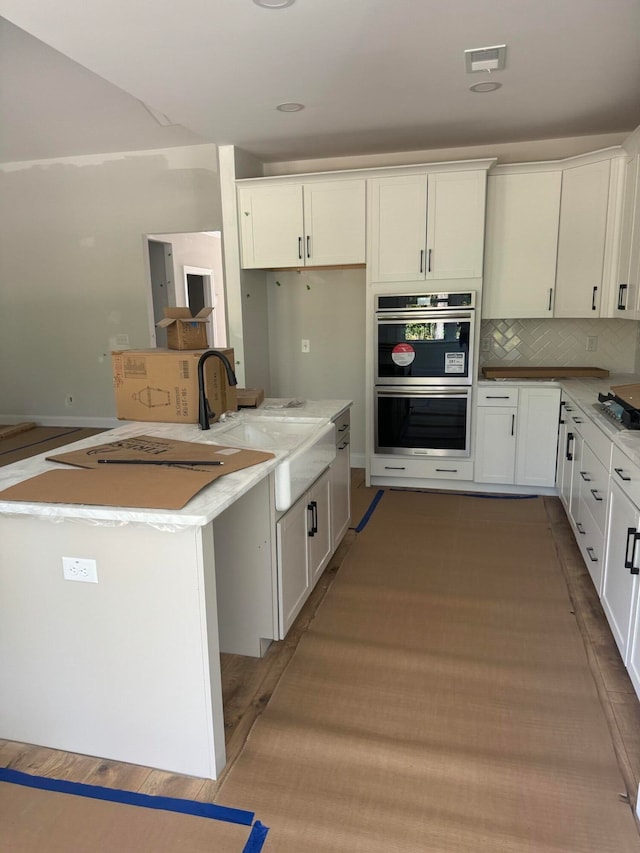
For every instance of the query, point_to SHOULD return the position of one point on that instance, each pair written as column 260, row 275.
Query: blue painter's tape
column 365, row 518
column 256, row 838
column 170, row 804
column 41, row 441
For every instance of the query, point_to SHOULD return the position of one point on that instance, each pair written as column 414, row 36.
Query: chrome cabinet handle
column 591, row 554
column 596, row 496
column 619, row 473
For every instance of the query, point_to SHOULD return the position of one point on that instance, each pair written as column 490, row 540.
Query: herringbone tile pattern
column 561, row 343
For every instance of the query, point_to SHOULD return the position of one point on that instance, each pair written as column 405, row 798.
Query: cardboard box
column 249, row 398
column 184, row 331
column 161, row 385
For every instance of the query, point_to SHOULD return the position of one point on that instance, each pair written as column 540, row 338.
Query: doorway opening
column 185, row 270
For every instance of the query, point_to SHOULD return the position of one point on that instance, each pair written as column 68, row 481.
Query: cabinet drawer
column 626, row 474
column 497, row 396
column 426, row 469
column 594, row 485
column 591, row 541
column 599, row 443
column 342, row 424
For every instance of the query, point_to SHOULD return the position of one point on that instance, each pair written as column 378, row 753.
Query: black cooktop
column 619, row 411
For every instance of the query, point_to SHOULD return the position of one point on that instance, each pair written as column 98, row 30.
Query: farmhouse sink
column 310, row 443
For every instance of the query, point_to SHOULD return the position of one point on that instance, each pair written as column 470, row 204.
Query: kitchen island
column 128, row 668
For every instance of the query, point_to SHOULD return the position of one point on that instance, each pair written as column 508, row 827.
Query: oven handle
column 421, row 314
column 459, row 392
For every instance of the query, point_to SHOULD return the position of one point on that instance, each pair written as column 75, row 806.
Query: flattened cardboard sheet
column 151, row 486
column 114, row 485
column 163, row 449
column 629, row 393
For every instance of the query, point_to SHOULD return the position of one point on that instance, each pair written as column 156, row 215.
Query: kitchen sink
column 310, row 443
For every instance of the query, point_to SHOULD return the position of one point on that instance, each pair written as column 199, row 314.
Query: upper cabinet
column 553, row 231
column 523, row 211
column 581, row 240
column 426, row 226
column 284, row 224
column 626, row 302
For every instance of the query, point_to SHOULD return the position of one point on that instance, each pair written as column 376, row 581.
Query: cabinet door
column 293, row 575
column 619, row 589
column 334, row 221
column 398, row 228
column 625, row 305
column 319, row 541
column 495, row 444
column 537, row 436
column 340, row 490
column 521, row 245
column 581, row 240
column 271, row 226
column 455, row 224
column 574, row 496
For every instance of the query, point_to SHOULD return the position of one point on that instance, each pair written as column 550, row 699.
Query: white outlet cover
column 80, row 569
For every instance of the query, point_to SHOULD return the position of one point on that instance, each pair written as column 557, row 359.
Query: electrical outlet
column 592, row 343
column 486, row 344
column 305, row 346
column 79, row 569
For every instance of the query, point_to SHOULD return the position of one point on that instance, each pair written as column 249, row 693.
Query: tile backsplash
column 561, row 343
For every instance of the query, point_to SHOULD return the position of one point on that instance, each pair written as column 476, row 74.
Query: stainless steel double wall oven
column 424, row 345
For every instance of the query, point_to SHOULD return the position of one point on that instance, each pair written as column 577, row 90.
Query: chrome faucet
column 204, row 411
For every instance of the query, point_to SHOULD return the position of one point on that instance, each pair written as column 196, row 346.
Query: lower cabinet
column 517, row 435
column 340, row 474
column 304, row 545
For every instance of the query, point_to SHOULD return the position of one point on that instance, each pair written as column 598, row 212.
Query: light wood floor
column 249, row 682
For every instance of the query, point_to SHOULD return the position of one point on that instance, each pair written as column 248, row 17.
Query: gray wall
column 74, row 269
column 327, row 308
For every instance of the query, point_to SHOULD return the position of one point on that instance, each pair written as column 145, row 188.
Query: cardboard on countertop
column 523, row 372
column 163, row 449
column 161, row 385
column 184, row 330
column 249, row 398
column 629, row 393
column 144, row 486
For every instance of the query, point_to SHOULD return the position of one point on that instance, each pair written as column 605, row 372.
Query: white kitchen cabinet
column 581, row 240
column 340, row 475
column 521, row 245
column 426, row 226
column 294, row 224
column 517, row 435
column 626, row 303
column 584, row 460
column 620, row 586
column 304, row 546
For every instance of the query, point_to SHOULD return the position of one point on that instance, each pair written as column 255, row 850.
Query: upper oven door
column 424, row 348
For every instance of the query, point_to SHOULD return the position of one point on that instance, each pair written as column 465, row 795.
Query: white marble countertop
column 202, row 508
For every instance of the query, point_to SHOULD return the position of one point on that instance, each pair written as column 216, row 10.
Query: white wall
column 73, row 269
column 327, row 308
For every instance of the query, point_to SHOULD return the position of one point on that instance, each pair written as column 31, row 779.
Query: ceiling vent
column 485, row 58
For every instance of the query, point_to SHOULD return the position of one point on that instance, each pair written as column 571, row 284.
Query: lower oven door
column 423, row 421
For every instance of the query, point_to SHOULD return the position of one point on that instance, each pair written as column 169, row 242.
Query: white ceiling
column 375, row 75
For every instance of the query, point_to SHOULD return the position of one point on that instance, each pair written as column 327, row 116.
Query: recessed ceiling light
column 274, row 4
column 290, row 107
column 487, row 86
